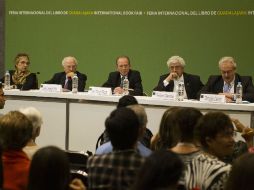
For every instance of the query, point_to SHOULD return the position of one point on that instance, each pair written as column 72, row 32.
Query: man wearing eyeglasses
column 226, row 82
column 65, row 78
column 169, row 82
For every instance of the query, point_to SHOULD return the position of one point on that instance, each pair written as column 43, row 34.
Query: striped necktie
column 226, row 88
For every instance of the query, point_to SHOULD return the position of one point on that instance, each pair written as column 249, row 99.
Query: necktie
column 226, row 88
column 122, row 78
column 67, row 82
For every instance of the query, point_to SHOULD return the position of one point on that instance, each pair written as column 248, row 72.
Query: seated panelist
column 168, row 82
column 226, row 82
column 115, row 79
column 21, row 77
column 65, row 78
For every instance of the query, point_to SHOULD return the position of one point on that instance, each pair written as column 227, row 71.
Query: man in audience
column 226, row 82
column 115, row 79
column 169, row 82
column 65, row 78
column 118, row 169
column 2, row 97
column 142, row 117
column 215, row 133
column 15, row 132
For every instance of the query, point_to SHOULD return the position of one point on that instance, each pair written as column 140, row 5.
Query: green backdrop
column 148, row 39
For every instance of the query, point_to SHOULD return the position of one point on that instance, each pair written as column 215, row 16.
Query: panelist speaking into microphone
column 65, row 78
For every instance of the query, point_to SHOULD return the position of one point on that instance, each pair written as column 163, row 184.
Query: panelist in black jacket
column 65, row 78
column 115, row 79
column 226, row 82
column 168, row 82
column 21, row 77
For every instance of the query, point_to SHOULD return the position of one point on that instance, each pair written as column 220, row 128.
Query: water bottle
column 180, row 91
column 7, row 81
column 125, row 86
column 75, row 83
column 239, row 93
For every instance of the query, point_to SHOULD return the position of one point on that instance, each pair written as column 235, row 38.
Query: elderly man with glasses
column 226, row 82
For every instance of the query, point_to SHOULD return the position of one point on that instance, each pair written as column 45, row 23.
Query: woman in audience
column 15, row 132
column 161, row 170
column 166, row 137
column 216, row 136
column 50, row 171
column 186, row 120
column 241, row 175
column 21, row 77
column 35, row 118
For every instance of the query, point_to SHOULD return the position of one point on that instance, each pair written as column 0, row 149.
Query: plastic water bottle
column 126, row 86
column 239, row 93
column 180, row 91
column 7, row 81
column 75, row 83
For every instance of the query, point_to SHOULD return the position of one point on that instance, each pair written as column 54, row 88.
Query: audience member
column 65, row 78
column 161, row 170
column 35, row 118
column 50, row 170
column 169, row 82
column 205, row 171
column 166, row 138
column 241, row 175
column 15, row 132
column 144, row 151
column 21, row 77
column 187, row 119
column 115, row 79
column 226, row 82
column 118, row 169
column 2, row 97
column 125, row 101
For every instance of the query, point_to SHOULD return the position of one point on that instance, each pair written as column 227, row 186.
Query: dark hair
column 241, row 175
column 187, row 119
column 126, row 101
column 167, row 131
column 162, row 169
column 49, row 170
column 122, row 127
column 1, row 85
column 15, row 130
column 211, row 124
column 123, row 56
column 21, row 55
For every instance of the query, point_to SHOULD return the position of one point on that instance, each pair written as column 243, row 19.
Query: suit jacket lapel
column 187, row 84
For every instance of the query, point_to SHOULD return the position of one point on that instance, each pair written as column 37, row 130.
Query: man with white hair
column 169, row 81
column 226, row 82
column 65, row 78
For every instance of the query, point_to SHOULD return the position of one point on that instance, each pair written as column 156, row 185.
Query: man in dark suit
column 226, row 82
column 115, row 79
column 65, row 78
column 169, row 82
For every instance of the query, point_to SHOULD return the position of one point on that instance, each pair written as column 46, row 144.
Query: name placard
column 51, row 88
column 99, row 91
column 212, row 98
column 164, row 95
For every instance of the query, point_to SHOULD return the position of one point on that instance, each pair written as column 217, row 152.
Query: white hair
column 34, row 116
column 140, row 112
column 227, row 59
column 68, row 58
column 174, row 59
